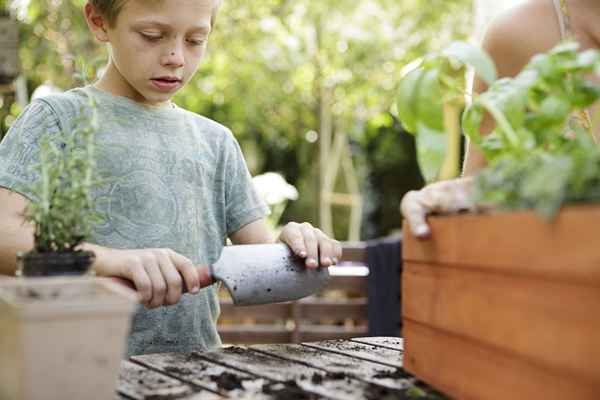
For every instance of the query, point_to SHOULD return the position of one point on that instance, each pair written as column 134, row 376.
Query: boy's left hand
column 311, row 244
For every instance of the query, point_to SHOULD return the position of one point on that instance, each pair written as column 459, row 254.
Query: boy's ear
column 96, row 22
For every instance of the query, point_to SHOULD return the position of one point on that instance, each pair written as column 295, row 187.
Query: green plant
column 62, row 210
column 537, row 157
column 430, row 99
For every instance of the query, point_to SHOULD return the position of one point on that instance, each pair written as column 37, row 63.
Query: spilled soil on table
column 288, row 390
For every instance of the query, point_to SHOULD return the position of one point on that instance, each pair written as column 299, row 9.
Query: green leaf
column 406, row 101
column 430, row 100
column 474, row 57
column 431, row 149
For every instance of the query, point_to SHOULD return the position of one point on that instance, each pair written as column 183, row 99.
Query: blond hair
column 110, row 9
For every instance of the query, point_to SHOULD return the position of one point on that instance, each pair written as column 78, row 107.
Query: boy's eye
column 151, row 36
column 196, row 42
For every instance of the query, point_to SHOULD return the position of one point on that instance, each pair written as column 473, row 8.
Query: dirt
column 178, row 370
column 374, row 392
column 288, row 390
column 399, row 373
column 228, row 381
column 235, row 350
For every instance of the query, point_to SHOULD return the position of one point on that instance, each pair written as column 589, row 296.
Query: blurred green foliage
column 268, row 64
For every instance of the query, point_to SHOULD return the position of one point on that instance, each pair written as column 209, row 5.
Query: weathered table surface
column 361, row 368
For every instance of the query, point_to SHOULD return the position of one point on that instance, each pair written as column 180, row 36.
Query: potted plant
column 504, row 304
column 62, row 211
column 62, row 337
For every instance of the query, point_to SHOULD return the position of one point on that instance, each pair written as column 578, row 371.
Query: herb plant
column 537, row 156
column 62, row 211
column 430, row 100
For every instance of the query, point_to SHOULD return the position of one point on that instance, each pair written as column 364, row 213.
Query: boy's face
column 156, row 47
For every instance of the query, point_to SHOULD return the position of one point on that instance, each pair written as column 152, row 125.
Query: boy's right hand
column 159, row 275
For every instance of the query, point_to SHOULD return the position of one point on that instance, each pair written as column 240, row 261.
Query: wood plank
column 311, row 308
column 367, row 371
column 367, row 352
column 254, row 334
column 266, row 312
column 215, row 377
column 139, row 383
column 354, row 252
column 444, row 360
column 319, row 309
column 382, row 341
column 561, row 319
column 317, row 333
column 511, row 243
column 274, row 368
column 356, row 285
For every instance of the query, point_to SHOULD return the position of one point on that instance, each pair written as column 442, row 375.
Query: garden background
column 307, row 87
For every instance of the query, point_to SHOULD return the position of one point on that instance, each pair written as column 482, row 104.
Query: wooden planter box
column 505, row 306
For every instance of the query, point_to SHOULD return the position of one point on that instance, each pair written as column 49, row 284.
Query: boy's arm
column 157, row 274
column 305, row 241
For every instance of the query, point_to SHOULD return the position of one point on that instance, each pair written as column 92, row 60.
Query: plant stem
column 450, row 167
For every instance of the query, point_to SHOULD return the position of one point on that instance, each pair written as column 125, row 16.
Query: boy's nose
column 174, row 56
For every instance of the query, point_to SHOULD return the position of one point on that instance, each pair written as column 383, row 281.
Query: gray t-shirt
column 174, row 180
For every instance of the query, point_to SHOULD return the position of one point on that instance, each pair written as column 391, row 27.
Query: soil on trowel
column 288, row 390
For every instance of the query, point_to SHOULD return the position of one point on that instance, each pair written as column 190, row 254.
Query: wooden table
column 361, row 368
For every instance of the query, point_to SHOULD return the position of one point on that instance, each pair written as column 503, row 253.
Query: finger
column 337, row 246
column 292, row 236
column 172, row 278
column 326, row 251
column 141, row 281
column 312, row 245
column 415, row 213
column 159, row 286
column 187, row 270
column 204, row 277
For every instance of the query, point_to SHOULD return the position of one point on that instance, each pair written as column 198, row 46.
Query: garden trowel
column 266, row 273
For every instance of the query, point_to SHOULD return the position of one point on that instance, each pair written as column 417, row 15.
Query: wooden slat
column 354, row 252
column 266, row 312
column 367, row 352
column 467, row 370
column 544, row 322
column 518, row 243
column 139, row 383
column 250, row 334
column 316, row 333
column 200, row 372
column 353, row 284
column 274, row 368
column 333, row 362
column 382, row 341
column 318, row 309
column 313, row 309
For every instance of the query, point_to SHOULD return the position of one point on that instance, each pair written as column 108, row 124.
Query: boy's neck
column 113, row 82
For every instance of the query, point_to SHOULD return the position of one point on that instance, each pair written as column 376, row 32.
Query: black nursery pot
column 56, row 263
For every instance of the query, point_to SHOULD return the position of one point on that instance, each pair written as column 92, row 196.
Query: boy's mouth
column 166, row 83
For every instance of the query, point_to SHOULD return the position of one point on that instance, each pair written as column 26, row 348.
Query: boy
column 178, row 182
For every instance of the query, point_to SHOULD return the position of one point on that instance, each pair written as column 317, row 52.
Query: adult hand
column 158, row 275
column 312, row 244
column 444, row 197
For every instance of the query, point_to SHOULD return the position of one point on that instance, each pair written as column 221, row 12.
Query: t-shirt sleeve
column 19, row 150
column 243, row 204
